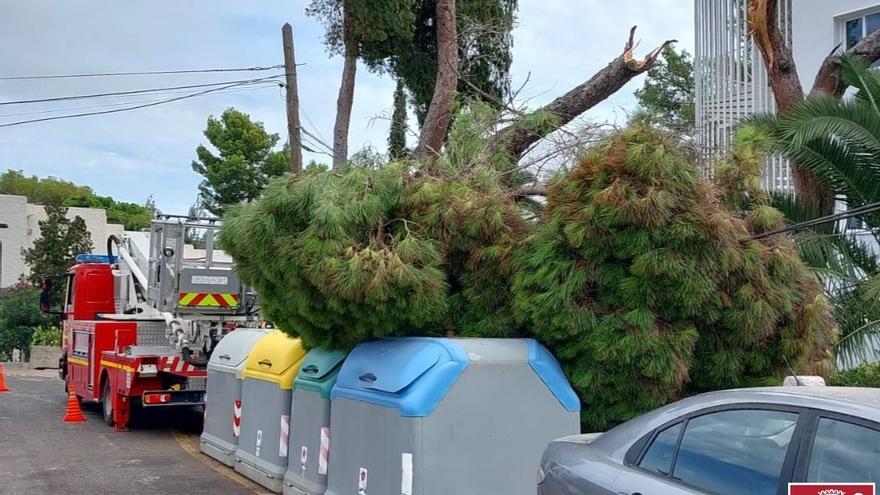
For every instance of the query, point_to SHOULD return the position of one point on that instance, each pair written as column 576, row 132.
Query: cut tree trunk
column 345, row 101
column 440, row 111
column 517, row 139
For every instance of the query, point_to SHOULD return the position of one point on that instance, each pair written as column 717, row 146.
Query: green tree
column 20, row 316
column 245, row 159
column 839, row 143
column 397, row 132
column 60, row 241
column 646, row 289
column 132, row 216
column 399, row 37
column 667, row 96
column 50, row 191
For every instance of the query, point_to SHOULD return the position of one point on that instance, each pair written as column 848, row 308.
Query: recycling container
column 265, row 409
column 223, row 395
column 310, row 423
column 432, row 416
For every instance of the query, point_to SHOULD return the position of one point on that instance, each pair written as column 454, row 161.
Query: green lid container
column 319, row 370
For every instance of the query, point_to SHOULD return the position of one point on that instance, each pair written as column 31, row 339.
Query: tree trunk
column 345, row 101
column 517, row 139
column 787, row 89
column 828, row 80
column 440, row 111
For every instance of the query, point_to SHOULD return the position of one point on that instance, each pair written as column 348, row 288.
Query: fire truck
column 139, row 325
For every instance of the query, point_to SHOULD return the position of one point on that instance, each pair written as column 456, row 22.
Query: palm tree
column 839, row 141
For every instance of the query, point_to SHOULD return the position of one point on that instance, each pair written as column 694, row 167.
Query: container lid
column 319, row 371
column 275, row 358
column 547, row 368
column 411, row 374
column 230, row 353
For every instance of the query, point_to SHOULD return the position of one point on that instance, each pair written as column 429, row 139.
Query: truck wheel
column 107, row 404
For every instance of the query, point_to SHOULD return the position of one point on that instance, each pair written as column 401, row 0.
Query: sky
column 131, row 155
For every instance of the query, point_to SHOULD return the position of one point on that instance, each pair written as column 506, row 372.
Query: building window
column 858, row 28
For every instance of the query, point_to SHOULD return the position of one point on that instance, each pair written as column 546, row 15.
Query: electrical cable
column 141, row 73
column 136, row 91
column 862, row 210
column 261, row 85
column 117, row 110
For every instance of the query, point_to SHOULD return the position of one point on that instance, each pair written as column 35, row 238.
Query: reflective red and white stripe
column 236, row 418
column 324, row 455
column 283, row 434
column 174, row 364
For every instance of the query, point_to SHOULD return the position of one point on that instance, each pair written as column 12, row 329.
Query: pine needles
column 636, row 276
column 646, row 287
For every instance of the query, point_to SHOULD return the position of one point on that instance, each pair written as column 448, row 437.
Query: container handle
column 310, row 369
column 265, row 363
column 367, row 377
column 224, row 356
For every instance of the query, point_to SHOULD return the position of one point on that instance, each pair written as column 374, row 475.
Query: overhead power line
column 140, row 73
column 137, row 91
column 135, row 107
column 855, row 212
column 249, row 87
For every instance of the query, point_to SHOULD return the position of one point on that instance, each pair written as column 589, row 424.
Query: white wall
column 815, row 32
column 23, row 221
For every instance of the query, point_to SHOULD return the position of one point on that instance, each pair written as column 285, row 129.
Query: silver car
column 734, row 442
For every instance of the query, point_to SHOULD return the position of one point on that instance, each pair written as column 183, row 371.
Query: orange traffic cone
column 3, row 387
column 74, row 413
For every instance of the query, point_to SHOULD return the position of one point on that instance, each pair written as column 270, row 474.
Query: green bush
column 20, row 315
column 46, row 335
column 866, row 375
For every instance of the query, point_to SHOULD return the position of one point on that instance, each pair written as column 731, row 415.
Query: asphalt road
column 40, row 454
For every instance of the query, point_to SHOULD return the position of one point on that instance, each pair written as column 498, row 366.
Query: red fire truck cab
column 119, row 360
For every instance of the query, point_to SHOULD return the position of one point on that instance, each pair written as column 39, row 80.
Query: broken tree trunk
column 787, row 88
column 440, row 111
column 516, row 139
column 828, row 80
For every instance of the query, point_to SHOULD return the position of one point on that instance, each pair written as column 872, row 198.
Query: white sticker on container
column 362, row 481
column 406, row 473
column 259, row 442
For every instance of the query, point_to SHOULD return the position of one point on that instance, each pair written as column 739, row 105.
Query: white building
column 731, row 82
column 22, row 228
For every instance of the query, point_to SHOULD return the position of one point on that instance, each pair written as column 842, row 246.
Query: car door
column 732, row 451
column 840, row 449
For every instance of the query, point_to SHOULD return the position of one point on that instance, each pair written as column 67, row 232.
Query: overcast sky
column 130, row 155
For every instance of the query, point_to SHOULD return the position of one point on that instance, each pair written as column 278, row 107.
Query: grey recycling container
column 223, row 395
column 265, row 409
column 432, row 416
column 308, row 458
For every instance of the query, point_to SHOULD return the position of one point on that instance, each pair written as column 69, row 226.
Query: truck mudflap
column 165, row 398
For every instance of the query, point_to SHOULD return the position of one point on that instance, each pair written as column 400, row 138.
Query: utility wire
column 255, row 86
column 142, row 73
column 117, row 110
column 138, row 91
column 862, row 210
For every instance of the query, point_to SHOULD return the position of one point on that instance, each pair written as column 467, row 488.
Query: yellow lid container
column 275, row 358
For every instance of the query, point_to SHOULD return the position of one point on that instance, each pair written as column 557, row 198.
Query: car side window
column 735, row 452
column 658, row 457
column 844, row 452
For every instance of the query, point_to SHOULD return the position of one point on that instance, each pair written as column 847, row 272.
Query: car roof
column 852, row 401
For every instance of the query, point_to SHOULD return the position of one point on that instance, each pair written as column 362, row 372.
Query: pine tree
column 397, row 132
column 60, row 241
column 646, row 287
